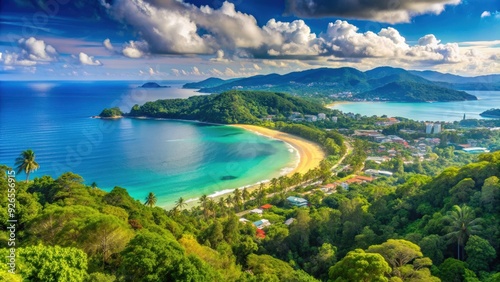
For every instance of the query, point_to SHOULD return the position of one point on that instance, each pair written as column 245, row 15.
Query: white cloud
column 485, row 14
column 36, row 50
column 220, row 57
column 291, row 38
column 257, row 67
column 168, row 30
column 176, row 27
column 134, row 49
column 107, row 44
column 85, row 59
column 396, row 11
column 196, row 71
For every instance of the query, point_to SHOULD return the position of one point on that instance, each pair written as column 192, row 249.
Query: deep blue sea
column 438, row 111
column 170, row 158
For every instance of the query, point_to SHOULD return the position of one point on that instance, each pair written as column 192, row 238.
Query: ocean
column 438, row 111
column 169, row 158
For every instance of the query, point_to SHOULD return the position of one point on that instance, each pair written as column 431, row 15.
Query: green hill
column 322, row 82
column 209, row 82
column 228, row 107
column 406, row 91
column 492, row 113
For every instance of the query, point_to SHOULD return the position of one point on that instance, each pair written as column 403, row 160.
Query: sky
column 195, row 39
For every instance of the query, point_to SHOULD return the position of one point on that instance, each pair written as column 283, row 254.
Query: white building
column 428, row 128
column 334, row 119
column 437, row 128
column 321, row 116
column 311, row 118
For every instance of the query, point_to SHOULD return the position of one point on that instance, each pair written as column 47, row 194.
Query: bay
column 169, row 158
column 437, row 111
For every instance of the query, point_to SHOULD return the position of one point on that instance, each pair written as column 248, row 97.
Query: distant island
column 152, row 85
column 491, row 113
column 348, row 84
column 230, row 107
column 111, row 113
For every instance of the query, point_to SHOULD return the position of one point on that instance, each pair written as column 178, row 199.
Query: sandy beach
column 310, row 154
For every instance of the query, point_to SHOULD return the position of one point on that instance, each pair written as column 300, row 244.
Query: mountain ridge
column 323, row 82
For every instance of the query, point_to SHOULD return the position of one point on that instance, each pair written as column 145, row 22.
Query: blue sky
column 194, row 39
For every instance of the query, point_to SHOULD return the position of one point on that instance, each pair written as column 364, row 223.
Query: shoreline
column 309, row 155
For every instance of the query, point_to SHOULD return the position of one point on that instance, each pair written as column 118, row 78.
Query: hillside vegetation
column 415, row 92
column 419, row 228
column 228, row 108
column 324, row 82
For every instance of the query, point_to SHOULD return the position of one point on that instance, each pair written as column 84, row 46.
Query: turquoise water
column 170, row 158
column 438, row 111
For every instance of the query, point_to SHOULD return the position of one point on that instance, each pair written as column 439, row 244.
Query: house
column 289, row 221
column 244, row 220
column 296, row 201
column 378, row 172
column 475, row 150
column 269, row 118
column 257, row 211
column 311, row 118
column 263, row 223
column 329, row 186
column 344, row 185
column 261, row 234
column 321, row 116
column 266, row 207
column 295, row 116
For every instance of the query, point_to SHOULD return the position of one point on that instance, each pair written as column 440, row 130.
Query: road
column 348, row 151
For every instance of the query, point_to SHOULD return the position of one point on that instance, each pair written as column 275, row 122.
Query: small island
column 112, row 113
column 152, row 85
column 491, row 113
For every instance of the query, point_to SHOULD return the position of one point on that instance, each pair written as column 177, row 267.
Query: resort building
column 263, row 223
column 296, row 201
column 475, row 150
column 256, row 211
column 266, row 207
column 321, row 116
column 437, row 128
column 378, row 172
column 428, row 128
column 311, row 118
column 335, row 119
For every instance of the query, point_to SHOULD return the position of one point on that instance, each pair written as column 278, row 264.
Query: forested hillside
column 411, row 228
column 382, row 83
column 229, row 107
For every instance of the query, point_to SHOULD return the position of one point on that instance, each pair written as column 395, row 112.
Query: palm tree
column 26, row 163
column 222, row 204
column 261, row 194
column 245, row 195
column 461, row 224
column 180, row 204
column 229, row 201
column 150, row 200
column 211, row 207
column 274, row 183
column 296, row 178
column 203, row 201
column 237, row 199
